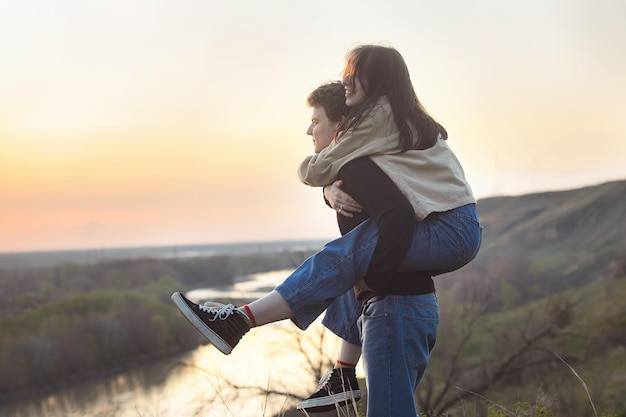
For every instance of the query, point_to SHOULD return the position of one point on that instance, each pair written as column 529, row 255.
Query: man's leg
column 398, row 334
column 339, row 385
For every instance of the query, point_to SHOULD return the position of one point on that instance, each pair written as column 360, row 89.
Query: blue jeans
column 342, row 315
column 442, row 242
column 398, row 332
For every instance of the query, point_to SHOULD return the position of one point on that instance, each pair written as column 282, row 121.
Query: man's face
column 321, row 129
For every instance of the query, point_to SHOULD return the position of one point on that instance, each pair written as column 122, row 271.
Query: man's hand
column 340, row 200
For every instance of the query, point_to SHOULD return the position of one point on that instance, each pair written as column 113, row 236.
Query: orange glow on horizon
column 186, row 124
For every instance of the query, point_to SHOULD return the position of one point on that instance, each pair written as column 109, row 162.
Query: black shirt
column 385, row 204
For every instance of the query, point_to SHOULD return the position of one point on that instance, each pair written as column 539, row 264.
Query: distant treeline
column 39, row 259
column 66, row 323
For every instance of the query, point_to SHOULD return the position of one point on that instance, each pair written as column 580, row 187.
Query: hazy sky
column 127, row 123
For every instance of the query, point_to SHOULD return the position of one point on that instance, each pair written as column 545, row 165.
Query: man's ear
column 336, row 127
column 338, row 123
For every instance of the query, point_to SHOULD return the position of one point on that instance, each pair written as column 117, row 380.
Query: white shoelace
column 324, row 379
column 220, row 311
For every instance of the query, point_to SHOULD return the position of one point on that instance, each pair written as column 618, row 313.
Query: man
column 378, row 195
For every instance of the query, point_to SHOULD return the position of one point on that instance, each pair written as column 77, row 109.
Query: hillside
column 574, row 220
column 544, row 353
column 539, row 244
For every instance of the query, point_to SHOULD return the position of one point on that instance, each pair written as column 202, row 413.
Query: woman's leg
column 269, row 308
column 302, row 297
column 442, row 242
column 328, row 274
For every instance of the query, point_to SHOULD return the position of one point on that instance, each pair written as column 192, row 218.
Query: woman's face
column 322, row 129
column 355, row 94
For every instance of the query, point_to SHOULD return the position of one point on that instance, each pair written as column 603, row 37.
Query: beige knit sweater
column 431, row 179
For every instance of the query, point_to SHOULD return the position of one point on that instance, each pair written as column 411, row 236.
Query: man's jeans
column 442, row 242
column 398, row 332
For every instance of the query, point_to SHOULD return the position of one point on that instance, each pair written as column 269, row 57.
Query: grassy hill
column 553, row 229
column 540, row 244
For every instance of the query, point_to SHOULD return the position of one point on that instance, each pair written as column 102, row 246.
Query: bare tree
column 508, row 353
column 310, row 345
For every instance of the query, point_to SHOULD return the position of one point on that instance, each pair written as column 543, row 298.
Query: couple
column 406, row 213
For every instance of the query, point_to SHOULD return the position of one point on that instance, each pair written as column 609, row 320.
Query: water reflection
column 200, row 383
column 244, row 287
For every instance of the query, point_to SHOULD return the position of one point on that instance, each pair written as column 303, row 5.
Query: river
column 199, row 383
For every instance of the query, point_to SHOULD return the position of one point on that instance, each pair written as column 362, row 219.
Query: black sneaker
column 223, row 325
column 336, row 388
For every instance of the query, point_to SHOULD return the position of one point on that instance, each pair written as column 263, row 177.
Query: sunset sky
column 133, row 123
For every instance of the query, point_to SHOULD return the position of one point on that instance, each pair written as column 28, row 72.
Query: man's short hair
column 331, row 97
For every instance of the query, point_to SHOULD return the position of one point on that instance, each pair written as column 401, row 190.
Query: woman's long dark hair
column 383, row 72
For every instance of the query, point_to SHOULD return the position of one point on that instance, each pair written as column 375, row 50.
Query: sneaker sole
column 206, row 331
column 330, row 402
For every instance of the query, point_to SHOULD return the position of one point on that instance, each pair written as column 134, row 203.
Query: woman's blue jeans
column 442, row 242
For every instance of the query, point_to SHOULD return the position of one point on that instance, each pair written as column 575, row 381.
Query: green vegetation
column 83, row 335
column 64, row 324
column 547, row 353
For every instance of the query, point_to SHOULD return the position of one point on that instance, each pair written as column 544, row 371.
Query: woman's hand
column 362, row 286
column 340, row 200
